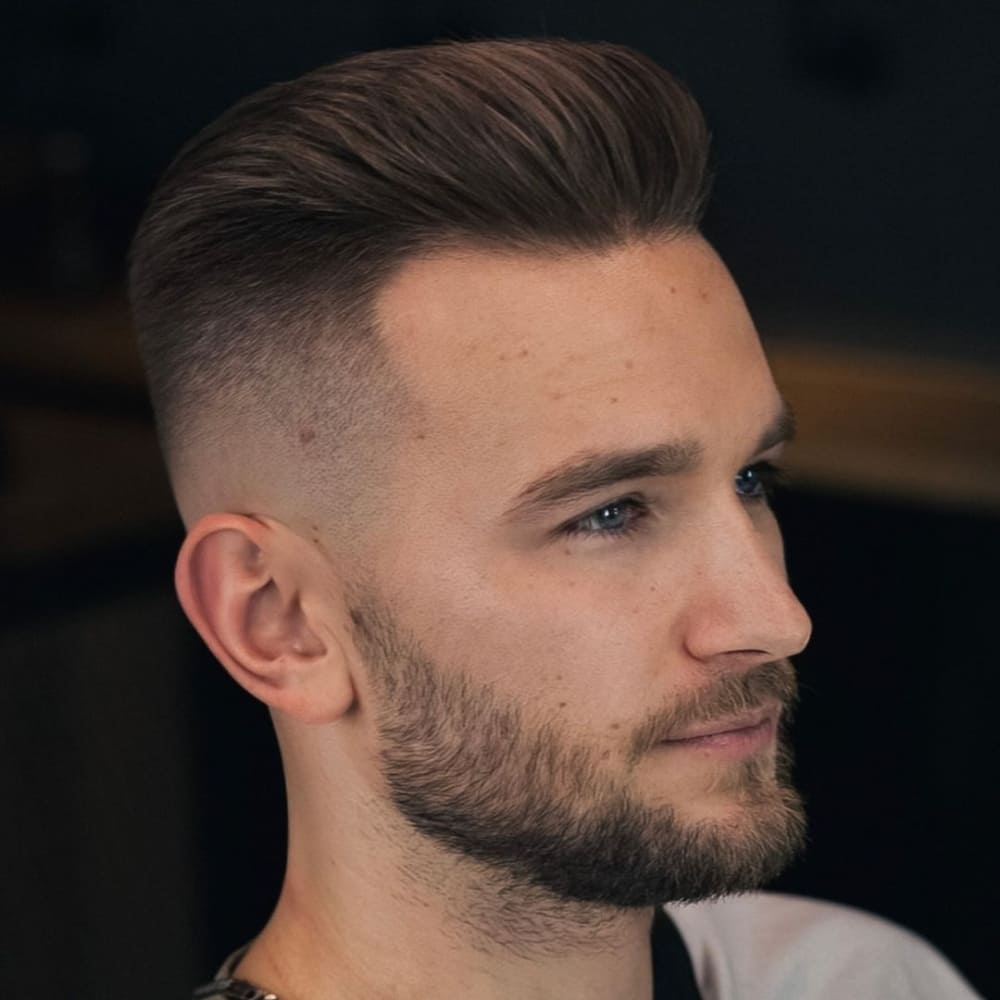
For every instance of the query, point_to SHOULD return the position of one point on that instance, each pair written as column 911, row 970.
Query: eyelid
column 773, row 459
column 643, row 506
column 773, row 454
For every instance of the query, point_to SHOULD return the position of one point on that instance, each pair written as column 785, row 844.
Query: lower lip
column 732, row 743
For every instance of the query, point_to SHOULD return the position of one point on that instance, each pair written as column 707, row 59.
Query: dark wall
column 895, row 745
column 855, row 192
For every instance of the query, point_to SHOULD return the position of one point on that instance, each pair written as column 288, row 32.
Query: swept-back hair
column 256, row 265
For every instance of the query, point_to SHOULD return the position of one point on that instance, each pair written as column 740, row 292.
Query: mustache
column 730, row 694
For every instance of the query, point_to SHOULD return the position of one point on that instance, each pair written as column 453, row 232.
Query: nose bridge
column 741, row 600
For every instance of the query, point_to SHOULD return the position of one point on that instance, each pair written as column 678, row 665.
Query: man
column 474, row 440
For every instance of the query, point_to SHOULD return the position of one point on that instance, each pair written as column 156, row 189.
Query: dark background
column 857, row 204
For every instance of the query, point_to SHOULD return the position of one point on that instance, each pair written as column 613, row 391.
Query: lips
column 749, row 720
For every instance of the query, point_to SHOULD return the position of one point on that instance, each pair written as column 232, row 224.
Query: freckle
column 673, row 289
column 652, row 588
column 558, row 677
column 567, row 552
column 614, row 399
column 501, row 357
column 616, row 725
column 421, row 436
column 630, row 363
column 524, row 352
column 703, row 295
column 605, row 755
column 562, row 704
column 306, row 434
column 555, row 395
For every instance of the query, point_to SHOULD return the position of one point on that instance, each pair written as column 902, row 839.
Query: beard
column 481, row 777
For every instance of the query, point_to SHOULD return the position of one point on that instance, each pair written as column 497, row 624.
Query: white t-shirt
column 770, row 946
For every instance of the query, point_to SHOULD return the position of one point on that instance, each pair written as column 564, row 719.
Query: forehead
column 517, row 360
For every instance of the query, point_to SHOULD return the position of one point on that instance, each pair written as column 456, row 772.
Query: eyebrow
column 591, row 471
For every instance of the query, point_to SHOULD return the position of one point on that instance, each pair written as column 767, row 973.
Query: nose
column 740, row 605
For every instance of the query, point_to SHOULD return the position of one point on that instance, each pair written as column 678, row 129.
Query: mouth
column 732, row 737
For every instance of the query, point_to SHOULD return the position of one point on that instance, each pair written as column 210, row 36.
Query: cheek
column 580, row 638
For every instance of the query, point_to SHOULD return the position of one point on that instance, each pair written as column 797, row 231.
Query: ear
column 242, row 582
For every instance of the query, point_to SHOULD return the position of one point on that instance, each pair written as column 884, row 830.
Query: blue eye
column 618, row 518
column 759, row 481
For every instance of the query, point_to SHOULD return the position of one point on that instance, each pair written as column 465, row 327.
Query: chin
column 735, row 802
column 730, row 816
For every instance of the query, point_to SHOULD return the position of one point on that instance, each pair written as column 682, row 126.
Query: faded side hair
column 256, row 265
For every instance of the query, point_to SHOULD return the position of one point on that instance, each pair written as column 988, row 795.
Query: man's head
column 256, row 267
column 472, row 432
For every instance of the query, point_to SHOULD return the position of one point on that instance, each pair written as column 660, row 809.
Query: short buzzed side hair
column 255, row 269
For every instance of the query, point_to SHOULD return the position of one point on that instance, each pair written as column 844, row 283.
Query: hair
column 256, row 267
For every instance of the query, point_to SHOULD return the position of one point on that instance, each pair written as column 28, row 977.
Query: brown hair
column 256, row 265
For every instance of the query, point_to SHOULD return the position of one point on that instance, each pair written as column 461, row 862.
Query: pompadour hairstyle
column 256, row 265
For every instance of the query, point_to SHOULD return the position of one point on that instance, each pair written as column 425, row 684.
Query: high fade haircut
column 256, row 267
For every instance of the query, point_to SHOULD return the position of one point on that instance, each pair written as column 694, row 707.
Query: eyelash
column 771, row 477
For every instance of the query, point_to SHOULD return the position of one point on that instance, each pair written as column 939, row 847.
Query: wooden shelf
column 88, row 341
column 893, row 425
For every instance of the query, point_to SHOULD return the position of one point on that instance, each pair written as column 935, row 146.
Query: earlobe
column 243, row 593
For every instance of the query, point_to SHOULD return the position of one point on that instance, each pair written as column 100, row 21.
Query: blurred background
column 857, row 204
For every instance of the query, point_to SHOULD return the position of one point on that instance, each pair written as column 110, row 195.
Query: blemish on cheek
column 306, row 434
column 629, row 363
column 616, row 725
column 524, row 352
column 562, row 704
column 555, row 395
column 606, row 755
column 652, row 588
column 614, row 399
column 420, row 436
column 703, row 295
column 673, row 289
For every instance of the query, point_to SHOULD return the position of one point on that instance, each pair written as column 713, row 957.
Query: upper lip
column 745, row 721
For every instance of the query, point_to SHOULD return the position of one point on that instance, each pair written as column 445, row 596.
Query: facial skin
column 588, row 638
column 507, row 675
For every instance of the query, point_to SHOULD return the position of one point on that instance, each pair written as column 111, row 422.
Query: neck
column 370, row 909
